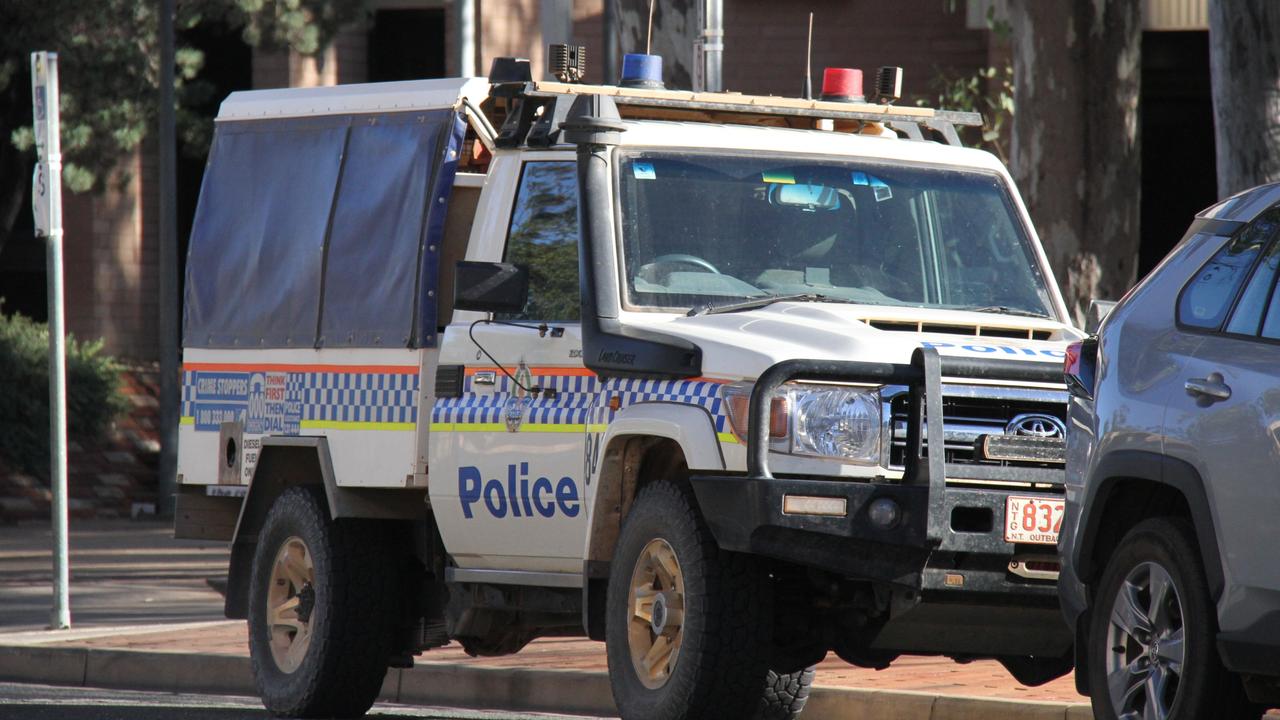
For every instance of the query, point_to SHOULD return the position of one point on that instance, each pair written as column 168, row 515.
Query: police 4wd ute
column 726, row 382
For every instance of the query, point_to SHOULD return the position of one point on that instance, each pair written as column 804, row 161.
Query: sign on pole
column 46, row 203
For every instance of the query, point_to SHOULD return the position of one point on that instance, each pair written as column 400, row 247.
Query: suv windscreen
column 716, row 228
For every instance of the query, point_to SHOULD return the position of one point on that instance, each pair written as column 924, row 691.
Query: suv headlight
column 830, row 421
column 836, row 421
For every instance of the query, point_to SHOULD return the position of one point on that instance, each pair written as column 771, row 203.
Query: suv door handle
column 1212, row 387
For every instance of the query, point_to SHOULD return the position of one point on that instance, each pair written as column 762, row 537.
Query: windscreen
column 714, row 228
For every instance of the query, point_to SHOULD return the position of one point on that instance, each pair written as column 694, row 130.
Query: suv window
column 543, row 237
column 1205, row 300
column 1248, row 313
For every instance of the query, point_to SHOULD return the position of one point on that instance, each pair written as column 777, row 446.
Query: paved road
column 123, row 572
column 42, row 702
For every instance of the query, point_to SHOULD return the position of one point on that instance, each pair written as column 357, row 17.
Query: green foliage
column 303, row 25
column 94, row 399
column 988, row 91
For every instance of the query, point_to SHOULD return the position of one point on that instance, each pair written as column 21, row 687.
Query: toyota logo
column 1036, row 425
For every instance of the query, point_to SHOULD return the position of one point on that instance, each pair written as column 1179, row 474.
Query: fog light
column 884, row 513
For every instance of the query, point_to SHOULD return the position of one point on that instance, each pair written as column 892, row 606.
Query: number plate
column 1032, row 520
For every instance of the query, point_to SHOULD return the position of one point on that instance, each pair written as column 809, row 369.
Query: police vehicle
column 727, row 382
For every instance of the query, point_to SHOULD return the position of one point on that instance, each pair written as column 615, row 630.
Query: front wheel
column 688, row 624
column 1151, row 645
column 321, row 602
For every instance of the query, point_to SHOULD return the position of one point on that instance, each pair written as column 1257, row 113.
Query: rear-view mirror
column 808, row 197
column 490, row 287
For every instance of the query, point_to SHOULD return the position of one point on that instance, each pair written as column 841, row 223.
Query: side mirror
column 1098, row 311
column 490, row 287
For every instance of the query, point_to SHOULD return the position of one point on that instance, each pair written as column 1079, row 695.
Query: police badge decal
column 514, row 410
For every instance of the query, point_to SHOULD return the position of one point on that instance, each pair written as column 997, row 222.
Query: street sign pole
column 46, row 201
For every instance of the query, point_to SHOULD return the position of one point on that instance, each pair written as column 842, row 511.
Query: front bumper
column 746, row 515
column 956, row 591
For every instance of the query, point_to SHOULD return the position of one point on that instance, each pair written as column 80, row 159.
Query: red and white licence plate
column 1032, row 520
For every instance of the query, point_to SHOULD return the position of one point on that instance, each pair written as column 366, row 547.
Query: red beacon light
column 842, row 85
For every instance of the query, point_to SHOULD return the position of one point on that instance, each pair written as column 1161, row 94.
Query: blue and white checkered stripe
column 358, row 397
column 579, row 400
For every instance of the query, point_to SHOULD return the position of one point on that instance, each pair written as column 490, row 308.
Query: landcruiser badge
column 514, row 411
column 1036, row 425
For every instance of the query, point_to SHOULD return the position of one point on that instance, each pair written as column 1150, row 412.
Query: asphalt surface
column 44, row 702
column 123, row 572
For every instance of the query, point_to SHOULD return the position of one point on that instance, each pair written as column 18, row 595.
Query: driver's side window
column 543, row 237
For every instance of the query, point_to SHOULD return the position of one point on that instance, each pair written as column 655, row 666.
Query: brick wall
column 509, row 28
column 765, row 42
column 110, row 257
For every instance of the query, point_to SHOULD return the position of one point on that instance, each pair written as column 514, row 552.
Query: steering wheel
column 688, row 260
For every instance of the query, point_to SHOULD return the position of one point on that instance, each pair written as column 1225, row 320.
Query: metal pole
column 47, row 206
column 610, row 42
column 713, row 46
column 467, row 38
column 167, row 485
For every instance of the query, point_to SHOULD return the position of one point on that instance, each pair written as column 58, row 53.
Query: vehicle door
column 507, row 484
column 1227, row 422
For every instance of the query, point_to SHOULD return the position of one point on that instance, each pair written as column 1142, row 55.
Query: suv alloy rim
column 656, row 602
column 290, row 600
column 1145, row 651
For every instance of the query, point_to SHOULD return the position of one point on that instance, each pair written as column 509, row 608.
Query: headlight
column 833, row 421
column 836, row 422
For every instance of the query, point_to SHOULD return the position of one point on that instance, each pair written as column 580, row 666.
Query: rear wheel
column 1151, row 645
column 688, row 624
column 321, row 611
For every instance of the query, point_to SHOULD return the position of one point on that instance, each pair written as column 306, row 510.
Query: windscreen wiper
column 1005, row 310
column 754, row 303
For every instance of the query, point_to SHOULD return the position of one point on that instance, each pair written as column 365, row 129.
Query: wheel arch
column 1155, row 484
column 644, row 441
column 286, row 462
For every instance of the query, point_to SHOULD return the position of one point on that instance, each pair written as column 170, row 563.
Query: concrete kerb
column 448, row 685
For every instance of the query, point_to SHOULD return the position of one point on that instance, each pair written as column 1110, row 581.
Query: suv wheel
column 1152, row 654
column 687, row 624
column 321, row 601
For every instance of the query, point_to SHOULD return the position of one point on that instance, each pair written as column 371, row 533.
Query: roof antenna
column 648, row 40
column 808, row 63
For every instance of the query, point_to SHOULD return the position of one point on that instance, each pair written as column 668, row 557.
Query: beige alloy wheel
column 291, row 598
column 656, row 602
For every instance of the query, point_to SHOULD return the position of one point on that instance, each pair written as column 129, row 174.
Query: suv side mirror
column 490, row 287
column 1098, row 311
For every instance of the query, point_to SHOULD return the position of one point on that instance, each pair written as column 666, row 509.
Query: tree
column 109, row 74
column 1244, row 62
column 1076, row 149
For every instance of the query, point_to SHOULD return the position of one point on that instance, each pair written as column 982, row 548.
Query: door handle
column 484, row 377
column 1211, row 388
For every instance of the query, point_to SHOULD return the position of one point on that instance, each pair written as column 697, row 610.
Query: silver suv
column 1171, row 543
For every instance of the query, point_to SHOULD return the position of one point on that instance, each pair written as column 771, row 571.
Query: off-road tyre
column 722, row 667
column 351, row 616
column 1153, row 550
column 785, row 694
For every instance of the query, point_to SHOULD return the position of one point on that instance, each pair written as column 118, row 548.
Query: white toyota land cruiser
column 727, row 382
